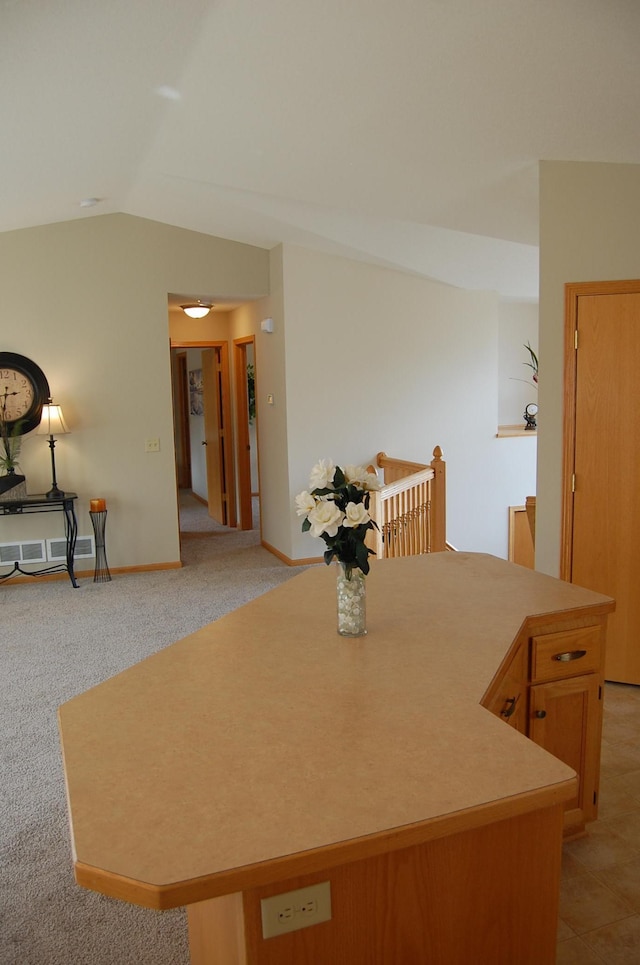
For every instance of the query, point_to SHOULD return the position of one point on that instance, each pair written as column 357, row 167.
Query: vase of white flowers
column 336, row 508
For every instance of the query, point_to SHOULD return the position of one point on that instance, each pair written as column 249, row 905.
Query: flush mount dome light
column 197, row 309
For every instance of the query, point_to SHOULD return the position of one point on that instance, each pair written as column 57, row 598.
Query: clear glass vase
column 352, row 602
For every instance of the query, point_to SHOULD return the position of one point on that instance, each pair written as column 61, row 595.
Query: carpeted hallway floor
column 56, row 642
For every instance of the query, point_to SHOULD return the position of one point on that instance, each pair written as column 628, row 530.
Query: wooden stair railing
column 410, row 508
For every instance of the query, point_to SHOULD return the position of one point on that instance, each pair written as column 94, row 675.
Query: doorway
column 203, row 426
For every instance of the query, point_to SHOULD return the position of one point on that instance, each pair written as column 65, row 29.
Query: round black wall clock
column 23, row 391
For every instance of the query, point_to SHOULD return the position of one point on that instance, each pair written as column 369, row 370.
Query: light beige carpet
column 55, row 642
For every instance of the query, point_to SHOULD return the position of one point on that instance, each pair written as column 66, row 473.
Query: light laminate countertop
column 265, row 742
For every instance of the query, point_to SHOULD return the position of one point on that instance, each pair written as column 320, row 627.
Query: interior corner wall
column 589, row 231
column 378, row 360
column 89, row 302
column 273, row 441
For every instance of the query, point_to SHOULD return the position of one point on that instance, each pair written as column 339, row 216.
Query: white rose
column 371, row 482
column 322, row 475
column 354, row 474
column 305, row 502
column 358, row 476
column 325, row 518
column 355, row 515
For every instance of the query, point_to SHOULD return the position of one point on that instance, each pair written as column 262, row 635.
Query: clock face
column 16, row 394
column 23, row 391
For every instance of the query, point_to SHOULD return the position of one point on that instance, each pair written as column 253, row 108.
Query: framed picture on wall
column 196, row 401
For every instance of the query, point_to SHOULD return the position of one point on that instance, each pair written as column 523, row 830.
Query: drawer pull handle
column 541, row 714
column 570, row 655
column 509, row 707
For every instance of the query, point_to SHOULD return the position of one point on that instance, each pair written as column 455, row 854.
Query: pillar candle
column 98, row 505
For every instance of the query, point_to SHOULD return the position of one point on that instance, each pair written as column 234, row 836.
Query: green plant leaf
column 339, row 478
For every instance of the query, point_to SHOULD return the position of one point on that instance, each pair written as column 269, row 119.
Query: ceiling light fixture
column 197, row 309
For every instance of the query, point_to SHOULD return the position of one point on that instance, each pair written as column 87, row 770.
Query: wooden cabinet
column 565, row 719
column 551, row 691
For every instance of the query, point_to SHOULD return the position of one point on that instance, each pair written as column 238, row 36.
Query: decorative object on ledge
column 531, row 410
column 530, row 416
column 337, row 510
column 12, row 486
column 52, row 425
column 532, row 363
column 98, row 514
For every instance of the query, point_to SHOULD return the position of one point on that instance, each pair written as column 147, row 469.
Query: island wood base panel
column 489, row 894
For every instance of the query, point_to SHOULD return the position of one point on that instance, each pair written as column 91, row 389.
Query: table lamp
column 52, row 424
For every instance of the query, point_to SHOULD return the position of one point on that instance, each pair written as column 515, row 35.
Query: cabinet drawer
column 566, row 654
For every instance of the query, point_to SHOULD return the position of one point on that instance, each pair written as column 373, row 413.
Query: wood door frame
column 229, row 451
column 519, row 551
column 245, row 502
column 572, row 292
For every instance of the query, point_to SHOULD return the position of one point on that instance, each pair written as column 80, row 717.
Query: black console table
column 44, row 504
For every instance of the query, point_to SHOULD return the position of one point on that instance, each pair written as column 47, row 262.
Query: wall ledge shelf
column 508, row 432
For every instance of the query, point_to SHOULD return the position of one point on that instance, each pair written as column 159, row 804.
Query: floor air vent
column 25, row 551
column 57, row 548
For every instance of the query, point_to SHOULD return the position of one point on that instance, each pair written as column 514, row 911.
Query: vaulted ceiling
column 403, row 132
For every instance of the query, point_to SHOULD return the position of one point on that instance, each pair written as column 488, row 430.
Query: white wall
column 87, row 301
column 379, row 360
column 589, row 231
column 361, row 359
column 517, row 326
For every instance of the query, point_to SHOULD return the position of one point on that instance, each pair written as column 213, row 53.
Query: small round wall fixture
column 23, row 392
column 531, row 415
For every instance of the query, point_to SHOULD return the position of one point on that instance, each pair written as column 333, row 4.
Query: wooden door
column 521, row 549
column 214, row 435
column 243, row 435
column 181, row 420
column 601, row 510
column 565, row 718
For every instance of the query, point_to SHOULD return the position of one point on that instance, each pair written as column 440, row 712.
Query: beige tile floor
column 600, row 891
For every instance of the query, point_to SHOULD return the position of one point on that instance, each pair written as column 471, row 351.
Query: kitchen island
column 265, row 753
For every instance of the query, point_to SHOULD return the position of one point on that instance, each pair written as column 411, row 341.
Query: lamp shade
column 52, row 422
column 197, row 309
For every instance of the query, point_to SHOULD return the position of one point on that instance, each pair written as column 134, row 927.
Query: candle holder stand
column 101, row 573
